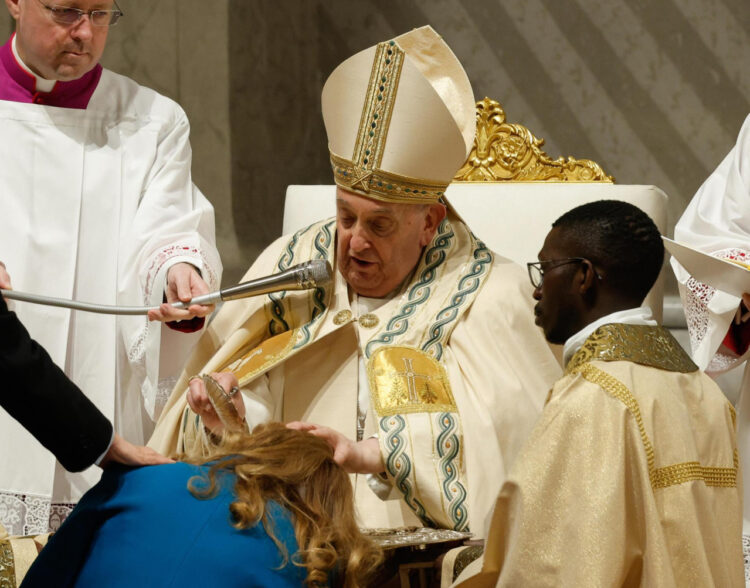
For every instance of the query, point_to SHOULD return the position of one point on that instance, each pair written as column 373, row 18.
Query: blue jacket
column 142, row 527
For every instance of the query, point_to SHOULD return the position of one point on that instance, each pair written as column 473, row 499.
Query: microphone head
column 315, row 273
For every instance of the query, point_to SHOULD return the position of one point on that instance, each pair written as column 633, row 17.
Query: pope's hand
column 183, row 284
column 197, row 398
column 124, row 452
column 356, row 458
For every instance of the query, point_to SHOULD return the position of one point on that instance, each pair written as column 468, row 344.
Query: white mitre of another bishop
column 400, row 119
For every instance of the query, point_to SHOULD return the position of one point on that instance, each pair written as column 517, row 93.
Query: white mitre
column 400, row 119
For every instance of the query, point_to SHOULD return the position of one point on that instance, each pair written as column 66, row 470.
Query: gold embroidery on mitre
column 258, row 358
column 369, row 320
column 378, row 106
column 342, row 316
column 383, row 185
column 362, row 173
column 651, row 346
column 407, row 380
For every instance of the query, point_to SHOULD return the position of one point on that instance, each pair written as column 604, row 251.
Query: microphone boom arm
column 304, row 276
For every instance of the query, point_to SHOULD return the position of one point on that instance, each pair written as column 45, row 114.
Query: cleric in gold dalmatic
column 424, row 339
column 631, row 476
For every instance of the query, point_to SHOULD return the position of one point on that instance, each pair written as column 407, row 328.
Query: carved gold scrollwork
column 510, row 152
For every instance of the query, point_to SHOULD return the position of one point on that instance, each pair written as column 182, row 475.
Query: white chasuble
column 465, row 310
column 97, row 205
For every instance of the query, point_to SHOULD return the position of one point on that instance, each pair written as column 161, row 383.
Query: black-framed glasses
column 66, row 15
column 537, row 268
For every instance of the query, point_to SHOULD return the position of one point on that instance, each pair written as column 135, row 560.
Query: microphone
column 303, row 276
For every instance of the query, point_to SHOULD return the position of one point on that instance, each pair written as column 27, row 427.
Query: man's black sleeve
column 40, row 396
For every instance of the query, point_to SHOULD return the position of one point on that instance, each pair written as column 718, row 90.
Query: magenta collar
column 18, row 85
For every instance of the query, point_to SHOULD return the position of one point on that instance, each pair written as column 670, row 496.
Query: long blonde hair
column 296, row 470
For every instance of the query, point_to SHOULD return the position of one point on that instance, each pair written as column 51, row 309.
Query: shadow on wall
column 277, row 133
column 7, row 24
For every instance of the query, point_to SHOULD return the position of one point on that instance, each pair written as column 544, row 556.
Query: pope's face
column 380, row 243
column 58, row 51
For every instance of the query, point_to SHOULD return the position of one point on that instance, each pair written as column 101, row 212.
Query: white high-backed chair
column 509, row 192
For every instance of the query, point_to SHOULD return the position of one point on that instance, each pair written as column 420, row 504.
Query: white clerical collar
column 42, row 84
column 632, row 316
column 366, row 305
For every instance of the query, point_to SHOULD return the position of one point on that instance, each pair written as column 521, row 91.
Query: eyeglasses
column 537, row 268
column 67, row 15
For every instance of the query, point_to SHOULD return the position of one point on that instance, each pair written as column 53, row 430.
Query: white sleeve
column 260, row 405
column 716, row 221
column 173, row 223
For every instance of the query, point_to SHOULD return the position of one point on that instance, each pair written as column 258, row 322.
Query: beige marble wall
column 654, row 91
column 180, row 48
column 6, row 24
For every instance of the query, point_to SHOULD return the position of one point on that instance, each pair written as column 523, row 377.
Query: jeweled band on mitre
column 385, row 186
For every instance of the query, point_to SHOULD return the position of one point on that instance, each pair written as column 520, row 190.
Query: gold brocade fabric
column 674, row 473
column 265, row 354
column 385, row 186
column 630, row 477
column 406, row 380
column 7, row 565
column 420, row 424
column 641, row 344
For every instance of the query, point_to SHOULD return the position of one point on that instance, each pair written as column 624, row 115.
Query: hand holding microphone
column 303, row 276
column 184, row 283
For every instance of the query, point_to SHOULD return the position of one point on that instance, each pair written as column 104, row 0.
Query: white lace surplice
column 717, row 221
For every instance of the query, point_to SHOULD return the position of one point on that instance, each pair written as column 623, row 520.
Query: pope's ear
column 433, row 217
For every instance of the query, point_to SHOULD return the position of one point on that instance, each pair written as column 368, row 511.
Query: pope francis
column 424, row 343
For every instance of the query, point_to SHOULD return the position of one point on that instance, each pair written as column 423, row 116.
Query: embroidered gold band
column 378, row 106
column 669, row 475
column 384, row 186
column 641, row 344
column 692, row 470
column 406, row 380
